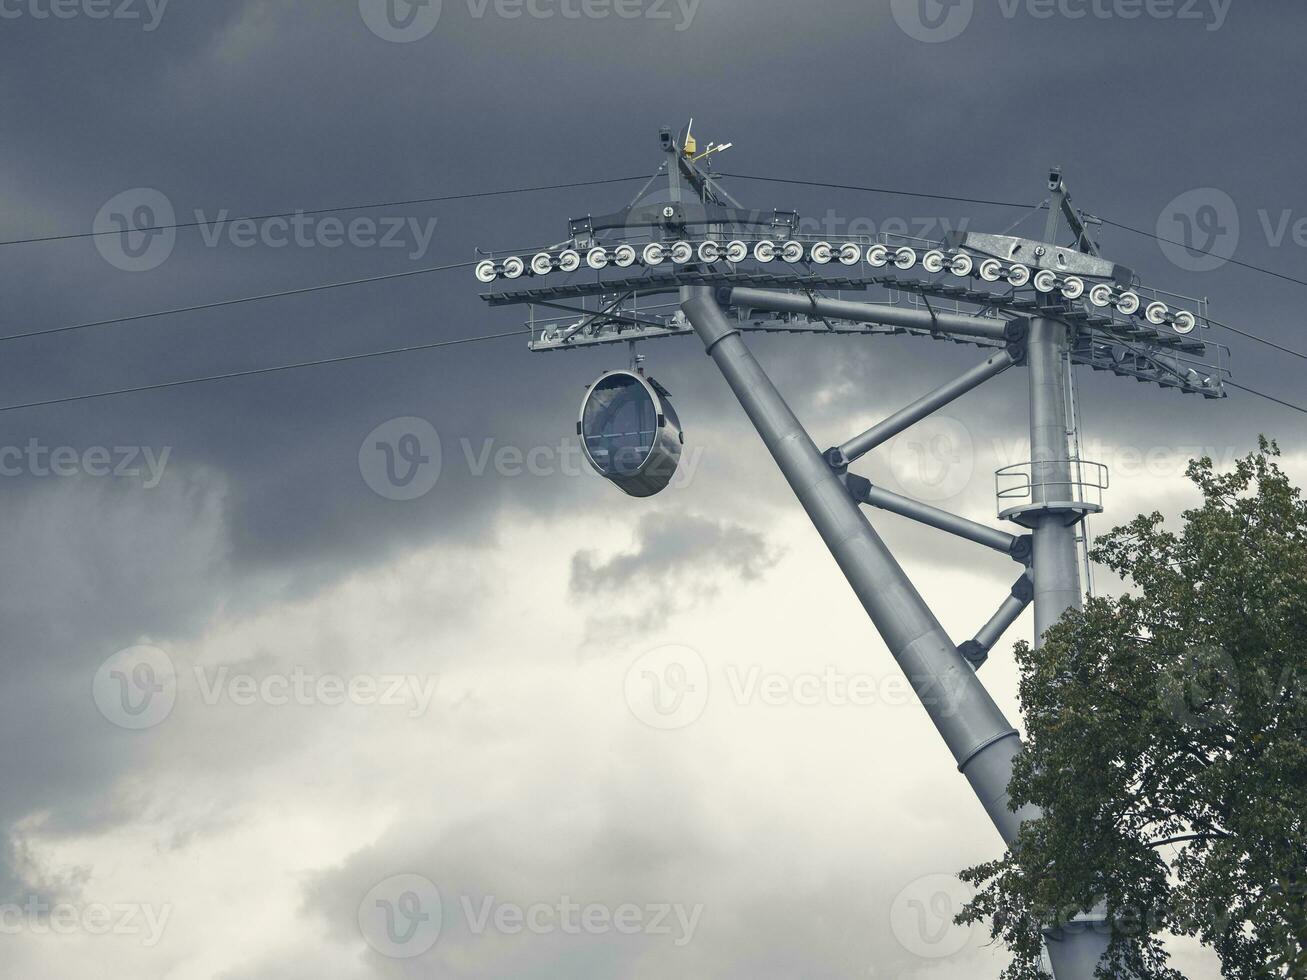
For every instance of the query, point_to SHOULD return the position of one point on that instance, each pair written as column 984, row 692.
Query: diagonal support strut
column 977, row 650
column 910, row 415
column 864, row 491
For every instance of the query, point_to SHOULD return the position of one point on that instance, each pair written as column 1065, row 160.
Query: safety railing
column 1057, row 484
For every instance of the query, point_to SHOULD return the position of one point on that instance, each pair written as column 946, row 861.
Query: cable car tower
column 685, row 258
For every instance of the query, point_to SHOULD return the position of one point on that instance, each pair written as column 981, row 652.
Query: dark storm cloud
column 670, row 547
column 93, row 567
column 677, row 562
column 261, row 107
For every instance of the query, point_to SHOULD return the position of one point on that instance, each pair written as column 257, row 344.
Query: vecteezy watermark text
column 305, row 689
column 123, row 462
column 681, row 12
column 406, row 21
column 302, row 230
column 668, row 688
column 570, row 918
column 40, row 917
column 150, row 12
column 1210, row 13
column 136, row 230
column 936, row 21
column 835, row 225
column 403, row 916
column 403, row 458
column 137, row 688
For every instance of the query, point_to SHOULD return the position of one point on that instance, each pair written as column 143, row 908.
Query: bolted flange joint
column 1023, row 549
column 975, row 654
column 858, row 486
column 1023, row 589
column 1017, row 335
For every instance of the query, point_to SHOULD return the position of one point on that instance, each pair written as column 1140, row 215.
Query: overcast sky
column 405, row 729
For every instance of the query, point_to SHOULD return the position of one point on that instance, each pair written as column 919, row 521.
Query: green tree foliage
column 1167, row 743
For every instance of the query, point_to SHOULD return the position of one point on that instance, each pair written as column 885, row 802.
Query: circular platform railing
column 1072, row 487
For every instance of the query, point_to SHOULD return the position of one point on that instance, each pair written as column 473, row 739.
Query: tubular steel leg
column 981, row 739
column 1056, row 562
column 1076, row 950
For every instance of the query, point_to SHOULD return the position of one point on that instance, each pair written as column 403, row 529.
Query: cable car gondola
column 630, row 433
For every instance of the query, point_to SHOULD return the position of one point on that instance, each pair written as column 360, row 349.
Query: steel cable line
column 265, row 370
column 480, row 194
column 879, row 190
column 345, row 358
column 1253, row 336
column 589, row 183
column 401, row 275
column 1010, row 204
column 234, row 302
column 1203, row 251
column 898, row 192
column 348, row 207
column 1106, row 221
column 1270, row 398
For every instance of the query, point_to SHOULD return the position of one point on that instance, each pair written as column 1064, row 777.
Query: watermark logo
column 1199, row 230
column 131, row 230
column 933, row 21
column 934, row 460
column 922, row 914
column 401, row 459
column 402, row 916
column 667, row 687
column 136, row 688
column 400, row 21
column 305, row 689
column 135, row 233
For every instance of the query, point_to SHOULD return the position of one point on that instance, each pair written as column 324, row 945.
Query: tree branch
column 1184, row 838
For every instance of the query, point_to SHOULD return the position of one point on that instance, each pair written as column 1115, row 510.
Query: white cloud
column 528, row 779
